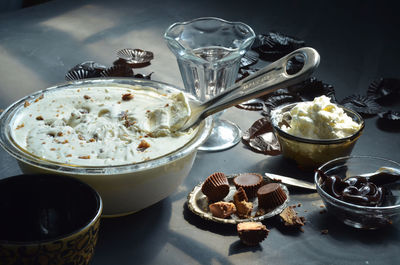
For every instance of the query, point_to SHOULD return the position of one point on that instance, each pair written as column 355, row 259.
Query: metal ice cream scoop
column 264, row 81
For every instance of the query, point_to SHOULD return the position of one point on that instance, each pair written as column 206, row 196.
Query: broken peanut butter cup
column 252, row 233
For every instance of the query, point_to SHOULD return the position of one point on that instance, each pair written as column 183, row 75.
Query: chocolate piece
column 250, row 182
column 243, row 209
column 222, row 209
column 261, row 138
column 324, row 231
column 290, row 217
column 216, row 187
column 270, row 196
column 252, row 233
column 240, row 195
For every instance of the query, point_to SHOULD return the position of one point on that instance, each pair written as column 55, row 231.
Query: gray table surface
column 357, row 41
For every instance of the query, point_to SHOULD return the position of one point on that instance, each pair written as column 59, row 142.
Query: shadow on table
column 217, row 228
column 325, row 236
column 238, row 247
column 339, row 231
column 141, row 238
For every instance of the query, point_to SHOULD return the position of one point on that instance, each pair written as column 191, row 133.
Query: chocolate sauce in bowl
column 360, row 190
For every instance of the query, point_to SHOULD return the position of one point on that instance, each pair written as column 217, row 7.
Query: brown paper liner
column 270, row 196
column 250, row 182
column 216, row 187
column 252, row 233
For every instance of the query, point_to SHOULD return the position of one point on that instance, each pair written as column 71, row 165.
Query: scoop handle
column 266, row 80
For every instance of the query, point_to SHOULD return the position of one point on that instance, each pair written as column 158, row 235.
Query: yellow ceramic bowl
column 48, row 219
column 308, row 153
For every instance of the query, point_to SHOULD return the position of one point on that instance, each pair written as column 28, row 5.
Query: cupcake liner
column 216, row 186
column 135, row 56
column 250, row 182
column 117, row 71
column 77, row 75
column 88, row 69
column 271, row 196
column 252, row 233
column 361, row 104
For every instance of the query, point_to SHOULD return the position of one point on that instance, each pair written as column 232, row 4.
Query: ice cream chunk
column 170, row 118
column 94, row 126
column 319, row 119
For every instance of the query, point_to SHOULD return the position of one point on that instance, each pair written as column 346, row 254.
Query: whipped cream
column 319, row 119
column 98, row 126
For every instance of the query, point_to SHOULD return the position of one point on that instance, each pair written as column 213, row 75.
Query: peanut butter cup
column 250, row 182
column 243, row 209
column 222, row 209
column 290, row 218
column 243, row 206
column 270, row 196
column 252, row 233
column 215, row 187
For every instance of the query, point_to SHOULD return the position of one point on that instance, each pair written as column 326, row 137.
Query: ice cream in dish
column 100, row 126
column 314, row 132
column 319, row 119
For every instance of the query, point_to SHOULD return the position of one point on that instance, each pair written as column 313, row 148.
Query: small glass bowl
column 311, row 153
column 363, row 217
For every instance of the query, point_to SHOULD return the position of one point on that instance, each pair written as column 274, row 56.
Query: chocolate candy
column 216, row 187
column 250, row 182
column 270, row 196
column 222, row 209
column 252, row 233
